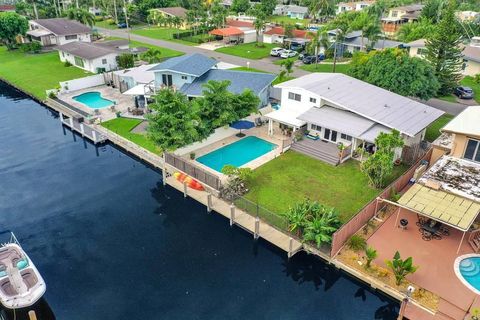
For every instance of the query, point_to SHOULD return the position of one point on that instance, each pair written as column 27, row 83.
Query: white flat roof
column 467, row 122
column 286, row 116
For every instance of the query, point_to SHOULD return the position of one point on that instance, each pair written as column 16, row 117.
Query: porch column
column 270, row 127
column 461, row 242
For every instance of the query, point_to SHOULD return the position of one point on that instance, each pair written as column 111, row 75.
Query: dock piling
column 71, row 122
column 232, row 215
column 290, row 247
column 256, row 234
column 94, row 136
column 209, row 202
column 185, row 189
column 61, row 116
column 164, row 176
column 82, row 129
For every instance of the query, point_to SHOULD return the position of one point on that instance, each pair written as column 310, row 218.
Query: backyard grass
column 433, row 130
column 124, row 126
column 324, row 67
column 248, row 50
column 288, row 20
column 162, row 34
column 35, row 73
column 288, row 179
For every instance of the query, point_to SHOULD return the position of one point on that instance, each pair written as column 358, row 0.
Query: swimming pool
column 237, row 153
column 467, row 268
column 93, row 100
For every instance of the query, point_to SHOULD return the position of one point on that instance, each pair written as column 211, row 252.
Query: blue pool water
column 470, row 270
column 237, row 153
column 93, row 100
column 113, row 243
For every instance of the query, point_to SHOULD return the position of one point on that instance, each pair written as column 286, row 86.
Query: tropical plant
column 11, row 25
column 297, row 216
column 357, row 243
column 443, row 51
column 152, row 56
column 287, row 65
column 125, row 60
column 369, row 27
column 237, row 181
column 370, row 255
column 475, row 314
column 401, row 268
column 81, row 15
column 409, row 32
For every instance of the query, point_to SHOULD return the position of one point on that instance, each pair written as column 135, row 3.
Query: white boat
column 21, row 285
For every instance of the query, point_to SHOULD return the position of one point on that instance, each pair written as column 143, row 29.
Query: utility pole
column 335, row 52
column 126, row 20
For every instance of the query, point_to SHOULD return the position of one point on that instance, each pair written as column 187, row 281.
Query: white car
column 276, row 52
column 288, row 54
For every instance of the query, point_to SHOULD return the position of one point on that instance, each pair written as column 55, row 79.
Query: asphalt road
column 265, row 64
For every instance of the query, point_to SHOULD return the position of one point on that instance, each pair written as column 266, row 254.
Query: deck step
column 316, row 153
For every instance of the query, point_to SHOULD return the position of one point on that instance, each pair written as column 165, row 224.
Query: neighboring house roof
column 382, row 106
column 409, row 8
column 194, row 64
column 92, row 50
column 239, row 23
column 353, row 4
column 38, row 33
column 420, row 43
column 292, row 8
column 280, row 31
column 467, row 122
column 7, row 7
column 63, row 27
column 379, row 44
column 140, row 74
column 239, row 81
column 227, row 32
column 472, row 53
column 174, row 11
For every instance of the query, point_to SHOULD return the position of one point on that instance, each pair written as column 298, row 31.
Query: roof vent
column 386, row 106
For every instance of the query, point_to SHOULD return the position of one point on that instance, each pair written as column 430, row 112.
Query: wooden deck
column 85, row 130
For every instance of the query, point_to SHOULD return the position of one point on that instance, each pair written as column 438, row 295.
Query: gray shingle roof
column 194, row 64
column 379, row 44
column 92, row 50
column 382, row 106
column 240, row 80
column 62, row 26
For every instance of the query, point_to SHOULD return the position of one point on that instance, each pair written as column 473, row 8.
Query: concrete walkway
column 263, row 64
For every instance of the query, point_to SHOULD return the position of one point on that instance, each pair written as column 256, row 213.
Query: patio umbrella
column 242, row 124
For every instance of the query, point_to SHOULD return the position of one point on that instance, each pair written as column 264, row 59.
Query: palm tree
column 259, row 25
column 82, row 16
column 152, row 56
column 177, row 23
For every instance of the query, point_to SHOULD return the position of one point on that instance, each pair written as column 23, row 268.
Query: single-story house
column 352, row 42
column 353, row 6
column 292, row 11
column 471, row 54
column 172, row 12
column 336, row 108
column 277, row 35
column 188, row 73
column 128, row 78
column 7, row 8
column 398, row 16
column 236, row 31
column 57, row 31
column 95, row 57
column 95, row 11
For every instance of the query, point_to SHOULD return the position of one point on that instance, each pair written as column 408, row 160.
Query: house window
column 472, row 152
column 313, row 100
column 63, row 54
column 315, row 127
column 421, row 51
column 79, row 62
column 184, row 77
column 167, row 79
column 71, row 37
column 394, row 14
column 104, row 61
column 294, row 96
column 346, row 137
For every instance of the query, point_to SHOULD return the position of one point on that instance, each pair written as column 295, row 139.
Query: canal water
column 112, row 243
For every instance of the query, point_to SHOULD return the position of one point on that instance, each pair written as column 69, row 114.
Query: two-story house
column 57, row 31
column 337, row 109
column 292, row 11
column 353, row 6
column 398, row 16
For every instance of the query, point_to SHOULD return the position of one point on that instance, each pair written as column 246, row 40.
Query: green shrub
column 67, row 64
column 401, row 268
column 476, row 78
column 110, row 21
column 31, row 47
column 98, row 18
column 357, row 243
column 370, row 255
column 52, row 95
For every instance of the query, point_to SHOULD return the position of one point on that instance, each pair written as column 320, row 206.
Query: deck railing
column 256, row 210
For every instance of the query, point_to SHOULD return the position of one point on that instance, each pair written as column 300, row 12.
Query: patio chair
column 258, row 122
column 444, row 230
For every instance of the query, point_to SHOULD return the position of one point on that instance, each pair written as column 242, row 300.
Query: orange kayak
column 191, row 183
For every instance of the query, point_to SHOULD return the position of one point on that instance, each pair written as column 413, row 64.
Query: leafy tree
column 432, row 10
column 416, row 30
column 12, row 25
column 173, row 123
column 240, row 6
column 370, row 254
column 444, row 52
column 267, row 6
column 152, row 56
column 81, row 15
column 289, row 28
column 401, row 268
column 216, row 106
column 260, row 22
column 245, row 103
column 380, row 165
column 218, row 14
column 145, row 5
column 321, row 8
column 395, row 70
column 287, row 64
column 368, row 25
column 125, row 61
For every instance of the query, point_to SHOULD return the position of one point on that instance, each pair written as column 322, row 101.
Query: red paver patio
column 435, row 259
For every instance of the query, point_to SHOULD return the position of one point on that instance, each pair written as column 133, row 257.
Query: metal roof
column 38, row 32
column 442, row 206
column 62, row 26
column 239, row 81
column 382, row 106
column 472, row 53
column 194, row 64
column 467, row 122
column 336, row 119
column 371, row 134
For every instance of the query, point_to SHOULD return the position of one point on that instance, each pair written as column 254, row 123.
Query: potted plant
column 192, row 155
column 341, row 148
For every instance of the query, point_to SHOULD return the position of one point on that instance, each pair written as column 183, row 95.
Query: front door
column 326, row 134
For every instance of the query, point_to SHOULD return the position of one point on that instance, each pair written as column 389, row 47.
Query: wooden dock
column 85, row 130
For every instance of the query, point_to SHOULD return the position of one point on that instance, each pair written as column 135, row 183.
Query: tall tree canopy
column 395, row 70
column 240, row 5
column 444, row 52
column 81, row 15
column 416, row 30
column 11, row 25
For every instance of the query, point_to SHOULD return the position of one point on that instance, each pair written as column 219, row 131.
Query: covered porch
column 45, row 37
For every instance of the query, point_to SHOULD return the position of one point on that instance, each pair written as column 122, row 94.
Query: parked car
column 296, row 46
column 313, row 59
column 276, row 52
column 288, row 54
column 464, row 92
column 122, row 25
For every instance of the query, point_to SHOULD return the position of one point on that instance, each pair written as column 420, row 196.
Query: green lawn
column 248, row 69
column 288, row 20
column 288, row 179
column 123, row 126
column 105, row 25
column 324, row 67
column 162, row 34
column 165, row 52
column 248, row 50
column 449, row 98
column 433, row 130
column 469, row 82
column 280, row 80
column 35, row 73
